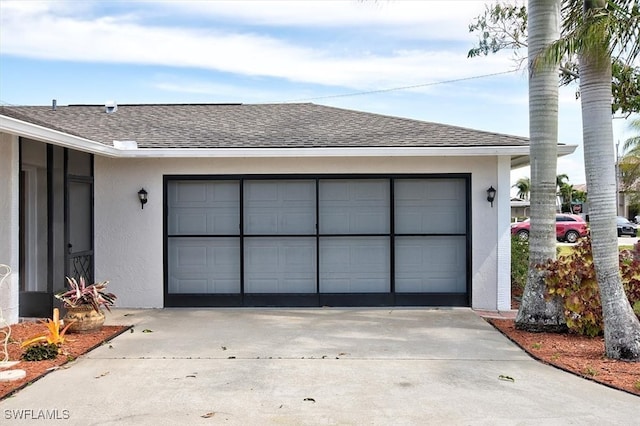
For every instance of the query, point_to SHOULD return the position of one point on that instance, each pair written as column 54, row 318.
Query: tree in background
column 503, row 26
column 595, row 30
column 630, row 168
column 566, row 195
column 600, row 33
column 565, row 190
column 523, row 185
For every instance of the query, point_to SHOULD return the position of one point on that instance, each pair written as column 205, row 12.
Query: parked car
column 625, row 227
column 569, row 227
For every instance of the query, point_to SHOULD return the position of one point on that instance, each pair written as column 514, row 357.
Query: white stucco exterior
column 9, row 221
column 129, row 240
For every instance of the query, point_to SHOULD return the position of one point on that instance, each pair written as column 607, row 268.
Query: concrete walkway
column 314, row 367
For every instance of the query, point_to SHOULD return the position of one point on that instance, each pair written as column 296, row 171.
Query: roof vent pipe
column 54, row 104
column 110, row 107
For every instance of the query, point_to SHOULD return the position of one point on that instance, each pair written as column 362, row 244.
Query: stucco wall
column 9, row 220
column 128, row 239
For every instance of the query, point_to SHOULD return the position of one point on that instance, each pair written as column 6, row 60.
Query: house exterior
column 519, row 208
column 253, row 205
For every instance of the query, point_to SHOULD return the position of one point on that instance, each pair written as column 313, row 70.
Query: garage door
column 315, row 241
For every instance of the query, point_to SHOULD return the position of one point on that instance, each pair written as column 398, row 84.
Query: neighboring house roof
column 580, row 187
column 257, row 126
column 519, row 202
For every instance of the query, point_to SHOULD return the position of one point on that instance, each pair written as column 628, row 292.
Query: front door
column 56, row 223
column 79, row 216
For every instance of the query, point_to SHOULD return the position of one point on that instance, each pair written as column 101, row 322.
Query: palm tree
column 633, row 142
column 566, row 194
column 630, row 167
column 594, row 29
column 561, row 179
column 537, row 312
column 524, row 187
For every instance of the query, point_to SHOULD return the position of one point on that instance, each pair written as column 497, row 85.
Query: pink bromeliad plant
column 81, row 294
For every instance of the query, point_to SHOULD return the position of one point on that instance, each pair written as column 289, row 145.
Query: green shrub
column 573, row 278
column 519, row 262
column 40, row 351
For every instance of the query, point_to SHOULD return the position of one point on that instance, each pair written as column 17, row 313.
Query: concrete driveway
column 314, row 367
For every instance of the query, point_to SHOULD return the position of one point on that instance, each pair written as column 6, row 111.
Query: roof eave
column 512, row 151
column 518, row 161
column 43, row 134
column 519, row 154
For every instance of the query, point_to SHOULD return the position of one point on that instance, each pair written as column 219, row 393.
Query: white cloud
column 220, row 92
column 126, row 40
column 423, row 19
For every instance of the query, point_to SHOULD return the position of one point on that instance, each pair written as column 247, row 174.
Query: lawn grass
column 567, row 250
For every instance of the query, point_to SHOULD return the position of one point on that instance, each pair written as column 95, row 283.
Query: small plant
column 519, row 262
column 40, row 352
column 537, row 345
column 81, row 294
column 555, row 356
column 590, row 371
column 53, row 335
column 573, row 278
column 637, row 385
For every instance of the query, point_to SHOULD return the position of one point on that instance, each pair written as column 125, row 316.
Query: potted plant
column 84, row 304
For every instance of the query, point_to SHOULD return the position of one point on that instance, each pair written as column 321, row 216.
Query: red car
column 569, row 227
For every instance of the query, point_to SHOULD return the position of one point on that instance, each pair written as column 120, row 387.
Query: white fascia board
column 44, row 134
column 325, row 152
column 519, row 155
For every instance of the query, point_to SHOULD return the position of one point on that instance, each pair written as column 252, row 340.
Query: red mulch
column 74, row 346
column 580, row 355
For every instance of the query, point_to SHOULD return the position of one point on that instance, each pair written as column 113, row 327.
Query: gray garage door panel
column 279, row 207
column 430, row 265
column 203, row 207
column 204, row 265
column 235, row 240
column 354, row 206
column 280, row 265
column 430, row 206
column 354, row 265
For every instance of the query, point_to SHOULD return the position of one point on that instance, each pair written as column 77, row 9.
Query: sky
column 404, row 58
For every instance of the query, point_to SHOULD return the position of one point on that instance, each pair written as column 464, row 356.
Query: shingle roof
column 301, row 125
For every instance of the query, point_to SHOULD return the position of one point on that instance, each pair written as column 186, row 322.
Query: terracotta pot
column 83, row 319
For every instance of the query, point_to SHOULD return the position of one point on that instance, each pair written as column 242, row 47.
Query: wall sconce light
column 491, row 194
column 142, row 195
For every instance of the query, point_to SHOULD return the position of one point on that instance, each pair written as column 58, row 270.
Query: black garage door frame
column 391, row 298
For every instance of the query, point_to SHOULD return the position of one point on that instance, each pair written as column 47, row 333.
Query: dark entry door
column 79, row 229
column 56, row 223
column 79, row 216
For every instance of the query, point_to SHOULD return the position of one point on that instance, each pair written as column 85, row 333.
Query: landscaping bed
column 580, row 355
column 74, row 346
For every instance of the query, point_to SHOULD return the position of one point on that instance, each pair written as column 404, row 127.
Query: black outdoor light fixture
column 491, row 194
column 142, row 195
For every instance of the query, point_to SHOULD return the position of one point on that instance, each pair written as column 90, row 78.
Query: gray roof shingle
column 294, row 125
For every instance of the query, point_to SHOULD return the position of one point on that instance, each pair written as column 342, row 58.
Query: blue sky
column 400, row 58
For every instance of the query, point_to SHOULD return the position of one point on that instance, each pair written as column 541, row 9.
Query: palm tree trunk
column 621, row 326
column 536, row 313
